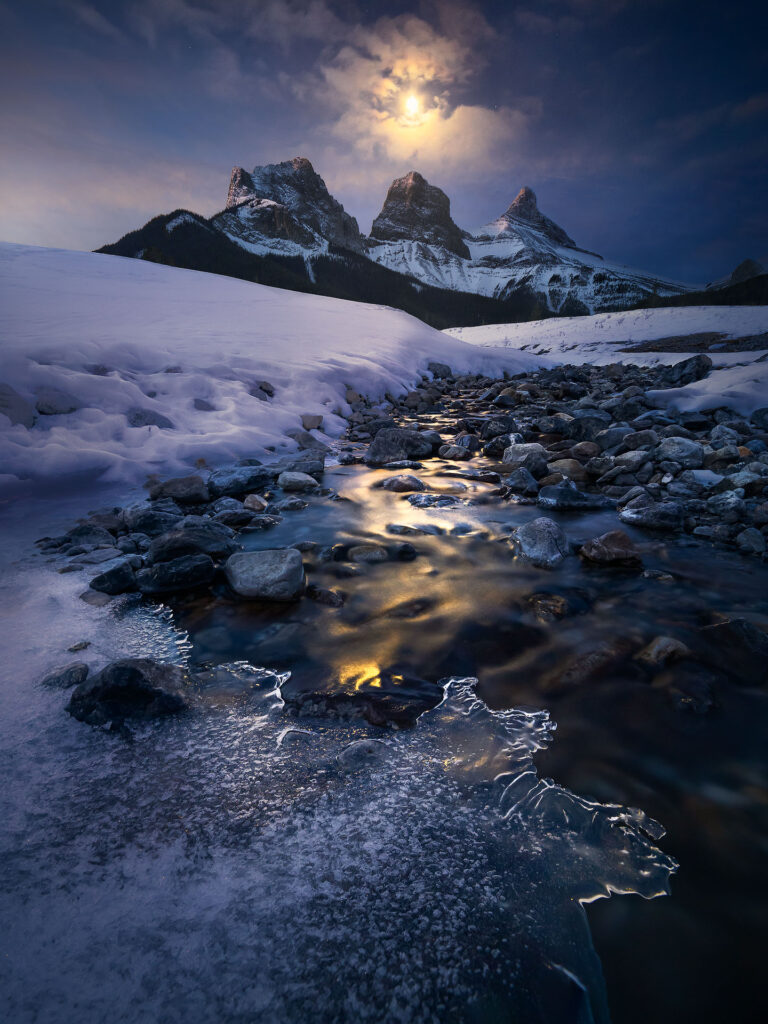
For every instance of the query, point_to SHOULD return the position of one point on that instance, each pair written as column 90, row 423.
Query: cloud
column 94, row 20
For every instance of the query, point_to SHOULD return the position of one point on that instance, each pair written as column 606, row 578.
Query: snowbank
column 118, row 341
column 598, row 339
column 738, row 381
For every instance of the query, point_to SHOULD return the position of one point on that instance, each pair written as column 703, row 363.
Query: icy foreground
column 100, row 342
column 740, row 379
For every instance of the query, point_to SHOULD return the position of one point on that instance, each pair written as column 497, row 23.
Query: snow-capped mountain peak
column 416, row 211
column 524, row 210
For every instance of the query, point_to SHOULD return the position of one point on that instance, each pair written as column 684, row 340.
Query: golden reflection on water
column 359, row 674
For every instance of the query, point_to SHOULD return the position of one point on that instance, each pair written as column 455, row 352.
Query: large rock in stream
column 271, row 575
column 541, row 542
column 394, row 443
column 129, row 688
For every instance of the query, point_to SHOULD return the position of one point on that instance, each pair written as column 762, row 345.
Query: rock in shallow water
column 541, row 542
column 185, row 573
column 394, row 443
column 129, row 688
column 568, row 497
column 118, row 579
column 271, row 575
column 66, row 676
column 614, row 548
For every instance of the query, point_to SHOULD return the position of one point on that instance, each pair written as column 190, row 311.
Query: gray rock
column 307, row 442
column 118, row 579
column 66, row 676
column 432, row 500
column 522, row 482
column 611, row 437
column 568, row 497
column 759, row 418
column 394, row 443
column 541, row 542
column 148, row 520
column 614, row 548
column 90, row 536
column 185, row 490
column 751, row 541
column 235, row 480
column 185, row 573
column 532, row 457
column 685, row 372
column 138, row 417
column 130, row 688
column 728, row 506
column 206, row 538
column 368, row 553
column 688, row 454
column 298, row 482
column 271, row 575
column 401, row 484
column 454, row 452
column 440, row 370
column 662, row 515
column 311, row 421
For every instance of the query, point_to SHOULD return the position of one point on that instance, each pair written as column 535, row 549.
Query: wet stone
column 541, row 542
column 271, row 575
column 129, row 688
column 614, row 548
column 66, row 676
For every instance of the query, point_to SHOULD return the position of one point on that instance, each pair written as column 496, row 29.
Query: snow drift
column 115, row 367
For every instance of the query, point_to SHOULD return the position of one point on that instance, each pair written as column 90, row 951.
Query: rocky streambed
column 555, row 537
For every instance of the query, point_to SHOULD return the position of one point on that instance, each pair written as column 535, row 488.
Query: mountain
column 745, row 271
column 281, row 226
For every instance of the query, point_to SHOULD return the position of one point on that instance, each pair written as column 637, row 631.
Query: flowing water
column 240, row 863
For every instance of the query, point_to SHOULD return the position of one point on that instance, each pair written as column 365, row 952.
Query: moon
column 412, row 105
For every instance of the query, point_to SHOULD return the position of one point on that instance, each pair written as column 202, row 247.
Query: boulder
column 147, row 520
column 522, row 482
column 685, row 372
column 255, row 502
column 532, row 457
column 689, row 454
column 311, row 421
column 368, row 553
column 541, row 542
column 204, row 538
column 394, row 443
column 298, row 482
column 614, row 548
column 441, row 371
column 118, row 579
column 271, row 575
column 185, row 490
column 66, row 676
column 129, row 688
column 185, row 573
column 402, row 484
column 235, row 480
column 661, row 515
column 568, row 497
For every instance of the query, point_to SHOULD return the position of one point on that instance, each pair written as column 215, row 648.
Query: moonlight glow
column 412, row 106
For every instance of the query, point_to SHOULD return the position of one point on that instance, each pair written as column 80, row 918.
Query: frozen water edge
column 219, row 869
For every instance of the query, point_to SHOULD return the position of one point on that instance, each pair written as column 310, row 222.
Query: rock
column 261, row 522
column 185, row 490
column 728, row 506
column 496, row 426
column 206, row 538
column 541, row 542
column 235, row 480
column 255, row 502
column 330, row 598
column 532, row 457
column 311, row 421
column 53, row 402
column 614, row 548
column 685, row 372
column 568, row 497
column 307, row 442
column 759, row 418
column 130, row 688
column 591, row 665
column 432, row 500
column 688, row 454
column 270, row 575
column 362, row 753
column 147, row 520
column 118, row 579
column 394, row 443
column 234, row 517
column 611, row 437
column 440, row 370
column 662, row 649
column 65, row 676
column 138, row 417
column 662, row 515
column 299, row 482
column 402, row 484
column 90, row 536
column 751, row 541
column 587, row 426
column 571, row 468
column 521, row 482
column 368, row 553
column 740, row 649
column 455, row 452
column 292, row 504
column 95, row 598
column 17, row 409
column 185, row 573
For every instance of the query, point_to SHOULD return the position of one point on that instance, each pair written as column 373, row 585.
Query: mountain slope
column 281, row 226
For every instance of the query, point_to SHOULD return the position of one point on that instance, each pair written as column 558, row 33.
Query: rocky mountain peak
column 416, row 211
column 525, row 208
column 297, row 187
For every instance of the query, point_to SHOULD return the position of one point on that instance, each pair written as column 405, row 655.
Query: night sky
column 641, row 124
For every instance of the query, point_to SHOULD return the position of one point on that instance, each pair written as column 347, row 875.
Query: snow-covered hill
column 117, row 367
